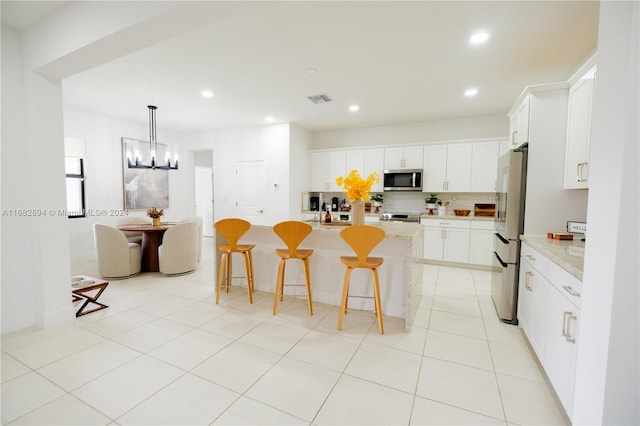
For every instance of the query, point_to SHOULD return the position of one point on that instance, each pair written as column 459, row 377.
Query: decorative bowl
column 459, row 212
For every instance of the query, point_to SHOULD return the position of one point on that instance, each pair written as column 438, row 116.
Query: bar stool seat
column 292, row 233
column 362, row 239
column 232, row 230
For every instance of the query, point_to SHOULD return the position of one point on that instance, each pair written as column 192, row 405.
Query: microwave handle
column 413, row 180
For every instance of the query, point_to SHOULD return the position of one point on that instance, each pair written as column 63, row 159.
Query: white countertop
column 569, row 255
column 454, row 217
column 402, row 230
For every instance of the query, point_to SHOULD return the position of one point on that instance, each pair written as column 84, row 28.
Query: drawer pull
column 528, row 275
column 531, row 258
column 570, row 290
column 566, row 326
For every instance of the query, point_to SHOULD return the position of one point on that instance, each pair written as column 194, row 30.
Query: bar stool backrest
column 292, row 233
column 232, row 230
column 362, row 239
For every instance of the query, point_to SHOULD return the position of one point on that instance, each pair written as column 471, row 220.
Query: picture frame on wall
column 143, row 188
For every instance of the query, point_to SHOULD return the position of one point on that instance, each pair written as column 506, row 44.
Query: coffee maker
column 314, row 204
column 335, row 206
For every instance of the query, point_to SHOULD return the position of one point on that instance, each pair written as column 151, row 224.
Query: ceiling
column 399, row 61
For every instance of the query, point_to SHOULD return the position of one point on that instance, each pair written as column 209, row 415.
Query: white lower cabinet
column 561, row 346
column 549, row 314
column 533, row 293
column 446, row 240
column 481, row 239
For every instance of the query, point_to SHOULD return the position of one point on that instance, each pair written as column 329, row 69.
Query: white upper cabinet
column 484, row 166
column 576, row 168
column 374, row 162
column 519, row 122
column 355, row 161
column 404, row 157
column 447, row 167
column 326, row 166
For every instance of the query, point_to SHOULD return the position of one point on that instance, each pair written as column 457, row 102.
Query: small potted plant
column 433, row 201
column 377, row 200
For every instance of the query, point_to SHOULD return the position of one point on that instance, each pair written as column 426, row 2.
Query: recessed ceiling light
column 354, row 108
column 470, row 92
column 311, row 71
column 206, row 94
column 269, row 119
column 479, row 38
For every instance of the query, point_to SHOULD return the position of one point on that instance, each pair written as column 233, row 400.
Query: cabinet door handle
column 565, row 314
column 570, row 290
column 568, row 335
column 531, row 258
column 514, row 140
column 580, row 169
column 527, row 276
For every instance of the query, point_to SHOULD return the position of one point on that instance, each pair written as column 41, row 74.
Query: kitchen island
column 400, row 274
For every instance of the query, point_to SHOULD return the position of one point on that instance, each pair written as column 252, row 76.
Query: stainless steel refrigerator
column 510, row 203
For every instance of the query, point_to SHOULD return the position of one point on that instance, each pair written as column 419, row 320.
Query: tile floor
column 164, row 353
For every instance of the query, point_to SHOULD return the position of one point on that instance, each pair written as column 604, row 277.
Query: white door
column 204, row 198
column 250, row 191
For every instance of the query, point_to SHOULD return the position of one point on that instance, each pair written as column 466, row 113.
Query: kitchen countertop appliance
column 400, row 217
column 402, row 180
column 510, row 204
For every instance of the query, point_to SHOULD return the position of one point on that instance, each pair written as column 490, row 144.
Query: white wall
column 35, row 247
column 489, row 126
column 608, row 372
column 104, row 174
column 299, row 141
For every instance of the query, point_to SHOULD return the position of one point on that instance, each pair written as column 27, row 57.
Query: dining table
column 151, row 240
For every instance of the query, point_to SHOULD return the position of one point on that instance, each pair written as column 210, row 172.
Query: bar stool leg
column 245, row 255
column 345, row 296
column 279, row 286
column 305, row 261
column 228, row 271
column 251, row 268
column 376, row 293
column 222, row 266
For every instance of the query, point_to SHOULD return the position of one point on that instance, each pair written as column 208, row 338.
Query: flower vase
column 156, row 221
column 357, row 212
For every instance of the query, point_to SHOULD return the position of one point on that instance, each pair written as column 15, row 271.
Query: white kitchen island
column 400, row 274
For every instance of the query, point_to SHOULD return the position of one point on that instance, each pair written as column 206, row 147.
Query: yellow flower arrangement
column 155, row 213
column 355, row 187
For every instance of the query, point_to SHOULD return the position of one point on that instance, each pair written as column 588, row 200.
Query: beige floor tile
column 237, row 366
column 274, row 336
column 460, row 386
column 460, row 349
column 246, row 411
column 515, row 361
column 151, row 335
column 26, row 393
column 457, row 306
column 64, row 411
column 326, row 350
column 528, row 402
column 190, row 349
column 12, row 368
column 386, row 366
column 396, row 337
column 359, row 402
column 190, row 400
column 295, row 387
column 457, row 324
column 427, row 412
column 120, row 390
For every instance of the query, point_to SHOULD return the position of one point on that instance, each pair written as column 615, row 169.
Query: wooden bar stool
column 232, row 230
column 362, row 239
column 292, row 233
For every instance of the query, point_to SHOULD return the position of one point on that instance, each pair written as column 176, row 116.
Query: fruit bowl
column 459, row 212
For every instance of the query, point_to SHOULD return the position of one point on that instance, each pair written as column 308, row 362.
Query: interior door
column 250, row 191
column 204, row 198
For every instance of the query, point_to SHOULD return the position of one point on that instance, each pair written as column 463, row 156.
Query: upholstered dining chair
column 132, row 236
column 198, row 221
column 292, row 233
column 117, row 257
column 178, row 253
column 232, row 230
column 362, row 239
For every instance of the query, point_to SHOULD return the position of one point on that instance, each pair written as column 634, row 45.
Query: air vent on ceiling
column 319, row 99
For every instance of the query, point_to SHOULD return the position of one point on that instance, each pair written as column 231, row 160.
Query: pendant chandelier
column 153, row 149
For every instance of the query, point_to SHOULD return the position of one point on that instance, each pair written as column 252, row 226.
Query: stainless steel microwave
column 403, row 180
